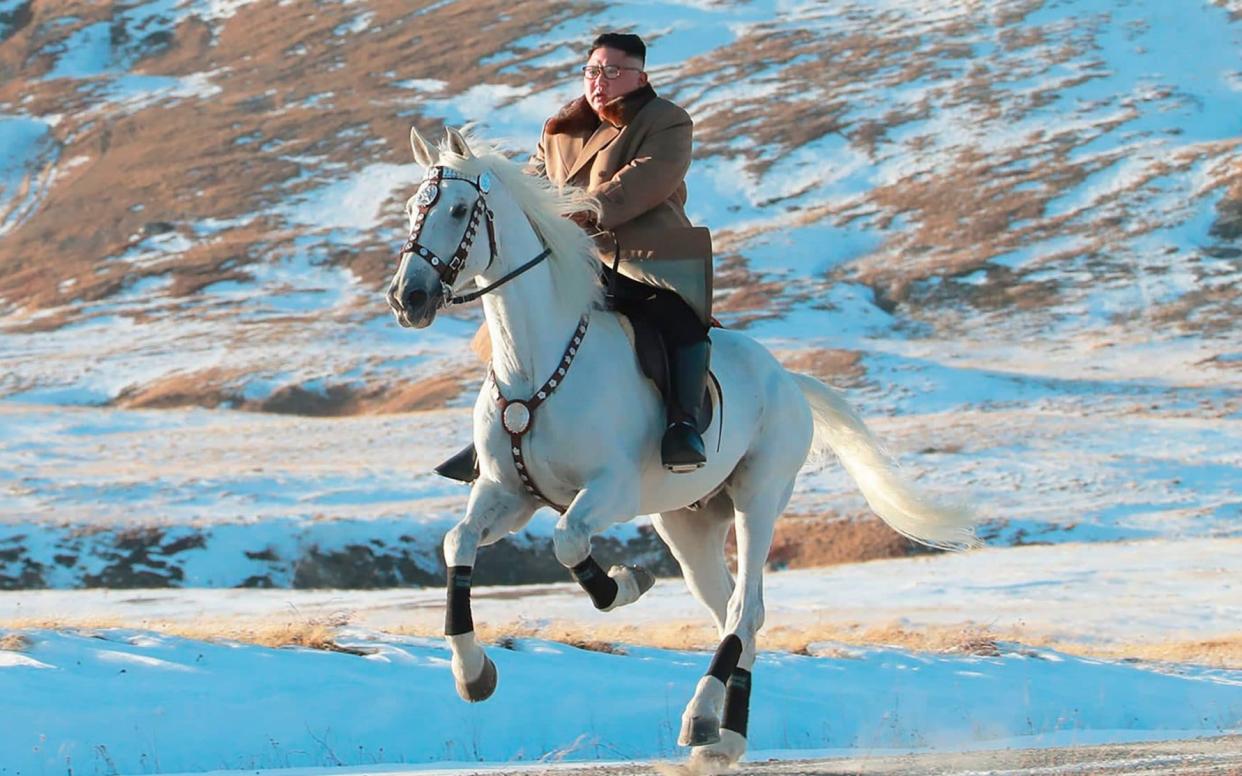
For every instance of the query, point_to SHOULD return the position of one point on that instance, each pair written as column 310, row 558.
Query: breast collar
column 518, row 415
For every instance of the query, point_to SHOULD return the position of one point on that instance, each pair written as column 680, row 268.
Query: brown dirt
column 837, row 367
column 216, row 388
column 743, row 295
column 207, row 388
column 811, row 542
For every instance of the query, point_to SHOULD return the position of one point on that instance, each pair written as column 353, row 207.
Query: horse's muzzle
column 413, row 307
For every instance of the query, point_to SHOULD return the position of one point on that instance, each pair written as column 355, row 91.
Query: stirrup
column 463, row 466
column 681, row 449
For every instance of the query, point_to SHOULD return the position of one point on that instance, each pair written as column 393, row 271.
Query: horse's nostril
column 415, row 299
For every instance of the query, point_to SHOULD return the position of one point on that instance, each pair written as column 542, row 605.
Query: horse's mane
column 575, row 273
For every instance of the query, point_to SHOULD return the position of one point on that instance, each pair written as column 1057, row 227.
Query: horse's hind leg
column 697, row 540
column 715, row 720
column 491, row 513
column 696, row 537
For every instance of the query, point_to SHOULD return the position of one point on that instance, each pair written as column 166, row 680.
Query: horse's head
column 452, row 238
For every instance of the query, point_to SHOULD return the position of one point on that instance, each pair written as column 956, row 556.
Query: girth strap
column 518, row 415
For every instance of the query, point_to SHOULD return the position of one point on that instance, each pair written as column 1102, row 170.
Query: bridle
column 517, row 415
column 426, row 198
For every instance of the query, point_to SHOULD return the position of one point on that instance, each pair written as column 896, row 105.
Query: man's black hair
column 621, row 41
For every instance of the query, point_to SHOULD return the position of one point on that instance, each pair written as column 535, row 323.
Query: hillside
column 1011, row 228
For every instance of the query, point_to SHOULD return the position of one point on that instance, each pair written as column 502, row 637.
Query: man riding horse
column 631, row 149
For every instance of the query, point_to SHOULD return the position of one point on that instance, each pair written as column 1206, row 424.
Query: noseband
column 426, row 198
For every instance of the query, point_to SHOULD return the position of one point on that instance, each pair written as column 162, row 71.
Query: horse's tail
column 839, row 428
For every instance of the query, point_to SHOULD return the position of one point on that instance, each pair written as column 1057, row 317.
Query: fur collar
column 579, row 118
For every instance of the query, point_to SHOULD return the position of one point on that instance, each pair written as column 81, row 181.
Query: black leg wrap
column 601, row 587
column 457, row 619
column 737, row 702
column 725, row 660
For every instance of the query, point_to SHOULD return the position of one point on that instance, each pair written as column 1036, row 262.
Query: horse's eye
column 458, row 211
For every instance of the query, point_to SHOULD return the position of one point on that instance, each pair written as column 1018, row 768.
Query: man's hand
column 587, row 220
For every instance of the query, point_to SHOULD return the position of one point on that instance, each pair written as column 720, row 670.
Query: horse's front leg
column 491, row 513
column 605, row 500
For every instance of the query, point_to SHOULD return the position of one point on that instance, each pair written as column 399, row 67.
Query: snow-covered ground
column 125, row 701
column 122, row 696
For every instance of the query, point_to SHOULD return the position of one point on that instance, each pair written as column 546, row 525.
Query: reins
column 473, row 295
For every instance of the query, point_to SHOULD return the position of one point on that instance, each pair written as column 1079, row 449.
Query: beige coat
column 634, row 161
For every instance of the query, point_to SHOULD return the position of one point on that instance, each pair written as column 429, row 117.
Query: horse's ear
column 422, row 152
column 457, row 143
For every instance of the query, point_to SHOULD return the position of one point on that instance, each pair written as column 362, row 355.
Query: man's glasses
column 611, row 72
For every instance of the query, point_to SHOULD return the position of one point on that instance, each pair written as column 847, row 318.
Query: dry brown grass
column 834, row 639
column 837, row 367
column 311, row 633
column 1223, row 652
column 812, row 639
column 217, row 387
column 14, row 642
column 803, row 542
column 188, row 160
column 427, row 394
column 820, row 639
column 206, row 388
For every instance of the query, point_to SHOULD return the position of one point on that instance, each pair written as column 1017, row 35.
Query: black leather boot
column 463, row 466
column 682, row 447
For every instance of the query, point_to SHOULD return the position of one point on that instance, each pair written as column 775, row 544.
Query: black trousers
column 677, row 321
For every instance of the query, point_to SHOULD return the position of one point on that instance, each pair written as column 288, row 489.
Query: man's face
column 600, row 89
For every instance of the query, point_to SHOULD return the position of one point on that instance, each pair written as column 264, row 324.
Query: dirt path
column 1195, row 757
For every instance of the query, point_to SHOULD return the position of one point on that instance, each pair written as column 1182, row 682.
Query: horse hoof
column 644, row 578
column 481, row 687
column 632, row 582
column 720, row 756
column 699, row 731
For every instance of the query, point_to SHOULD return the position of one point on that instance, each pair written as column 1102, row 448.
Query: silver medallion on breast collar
column 516, row 417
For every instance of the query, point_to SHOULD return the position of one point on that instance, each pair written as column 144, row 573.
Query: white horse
column 566, row 419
